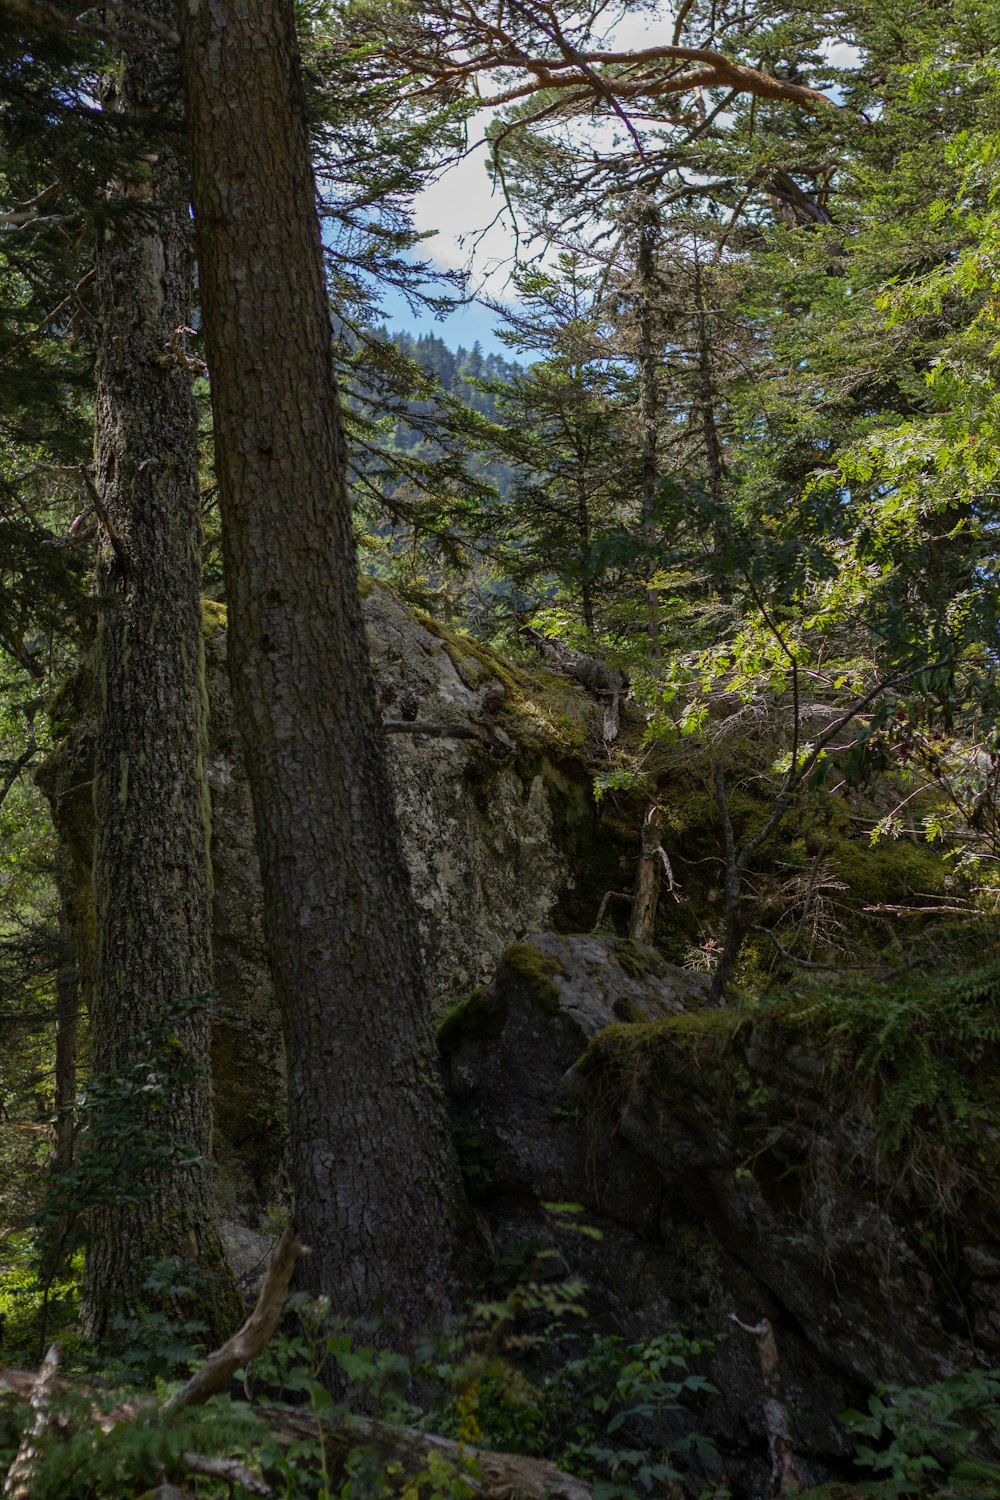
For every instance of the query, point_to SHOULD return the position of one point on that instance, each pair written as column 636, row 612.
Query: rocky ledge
column 731, row 1176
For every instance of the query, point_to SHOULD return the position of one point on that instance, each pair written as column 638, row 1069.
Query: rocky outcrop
column 492, row 822
column 730, row 1175
column 494, row 803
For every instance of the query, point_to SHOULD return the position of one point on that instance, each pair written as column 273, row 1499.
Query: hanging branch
column 606, row 75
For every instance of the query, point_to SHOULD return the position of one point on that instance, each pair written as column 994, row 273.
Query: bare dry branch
column 488, row 1475
column 230, row 1470
column 217, row 1371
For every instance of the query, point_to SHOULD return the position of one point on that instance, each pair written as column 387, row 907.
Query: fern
column 930, row 1043
column 137, row 1455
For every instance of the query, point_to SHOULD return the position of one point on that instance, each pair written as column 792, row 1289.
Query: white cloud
column 841, row 54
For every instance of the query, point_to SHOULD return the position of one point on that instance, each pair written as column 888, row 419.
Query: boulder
column 731, row 1177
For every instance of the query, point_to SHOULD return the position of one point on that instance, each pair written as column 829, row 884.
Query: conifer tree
column 373, row 1169
column 152, row 894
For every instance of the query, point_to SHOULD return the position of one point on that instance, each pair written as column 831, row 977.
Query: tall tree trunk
column 67, row 1029
column 583, row 541
column 151, row 864
column 648, row 232
column 706, row 404
column 372, row 1162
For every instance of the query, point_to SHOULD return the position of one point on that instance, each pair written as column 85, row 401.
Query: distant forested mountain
column 462, row 373
column 423, row 412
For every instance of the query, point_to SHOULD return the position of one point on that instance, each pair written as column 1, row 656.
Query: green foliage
column 136, row 1455
column 599, row 1414
column 121, row 1150
column 922, row 1441
column 122, row 1156
column 28, row 1298
column 930, row 1042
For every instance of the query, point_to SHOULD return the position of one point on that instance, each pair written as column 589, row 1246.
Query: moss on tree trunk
column 151, row 867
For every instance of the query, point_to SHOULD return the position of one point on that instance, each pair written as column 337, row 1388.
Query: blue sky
column 465, row 326
column 468, row 226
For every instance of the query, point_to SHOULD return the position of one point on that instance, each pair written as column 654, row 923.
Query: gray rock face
column 487, row 854
column 728, row 1177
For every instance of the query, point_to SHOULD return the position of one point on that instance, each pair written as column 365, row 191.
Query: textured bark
column 707, row 400
column 151, row 869
column 67, row 1013
column 372, row 1164
column 648, row 237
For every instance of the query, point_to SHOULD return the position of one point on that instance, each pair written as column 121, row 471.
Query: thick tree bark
column 706, row 407
column 648, row 236
column 151, row 865
column 372, row 1162
column 67, row 1029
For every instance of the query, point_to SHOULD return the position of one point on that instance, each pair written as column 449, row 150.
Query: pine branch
column 40, row 14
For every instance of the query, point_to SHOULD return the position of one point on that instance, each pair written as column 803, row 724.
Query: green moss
column 537, row 970
column 924, row 1050
column 214, row 616
column 540, row 708
column 637, row 960
column 479, row 1014
column 633, row 1051
column 888, row 872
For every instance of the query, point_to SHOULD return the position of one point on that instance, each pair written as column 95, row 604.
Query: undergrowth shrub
column 122, row 1156
column 921, row 1442
column 136, row 1456
column 929, row 1042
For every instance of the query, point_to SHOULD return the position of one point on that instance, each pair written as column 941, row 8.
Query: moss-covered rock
column 536, row 968
column 214, row 617
column 891, row 872
column 480, row 1014
column 732, row 1161
column 634, row 1051
column 539, row 708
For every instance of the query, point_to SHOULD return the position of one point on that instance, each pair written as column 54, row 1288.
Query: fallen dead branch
column 491, row 1476
column 17, row 1485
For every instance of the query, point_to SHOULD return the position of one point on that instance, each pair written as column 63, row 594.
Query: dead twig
column 429, row 730
column 230, row 1470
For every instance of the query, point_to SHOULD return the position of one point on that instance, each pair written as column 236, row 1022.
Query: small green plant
column 931, row 1042
column 79, row 1460
column 922, row 1441
column 24, row 1293
column 155, row 1344
column 121, row 1156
